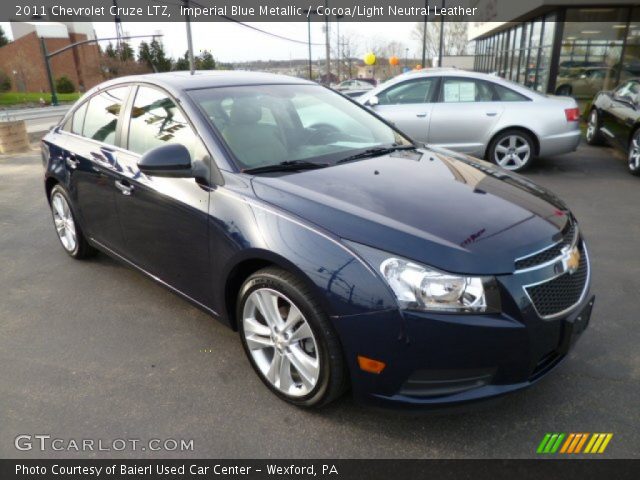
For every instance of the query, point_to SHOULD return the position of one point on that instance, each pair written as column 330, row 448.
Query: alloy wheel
column 634, row 153
column 512, row 152
column 63, row 220
column 592, row 126
column 281, row 342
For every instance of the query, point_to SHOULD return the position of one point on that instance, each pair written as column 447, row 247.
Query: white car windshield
column 270, row 124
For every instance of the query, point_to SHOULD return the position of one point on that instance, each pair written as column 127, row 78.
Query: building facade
column 565, row 47
column 23, row 59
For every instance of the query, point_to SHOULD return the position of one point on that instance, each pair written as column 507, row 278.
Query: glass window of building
column 631, row 62
column 591, row 50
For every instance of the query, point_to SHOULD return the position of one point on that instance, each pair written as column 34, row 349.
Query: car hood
column 449, row 211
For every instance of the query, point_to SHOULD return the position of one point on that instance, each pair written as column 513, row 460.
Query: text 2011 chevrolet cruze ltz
column 345, row 255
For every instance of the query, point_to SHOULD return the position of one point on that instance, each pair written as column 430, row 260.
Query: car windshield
column 270, row 124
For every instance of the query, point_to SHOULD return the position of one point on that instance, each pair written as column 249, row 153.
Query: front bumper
column 437, row 360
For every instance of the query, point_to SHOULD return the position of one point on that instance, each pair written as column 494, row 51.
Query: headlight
column 418, row 287
column 422, row 288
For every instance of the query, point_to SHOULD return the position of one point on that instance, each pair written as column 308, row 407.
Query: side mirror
column 373, row 101
column 173, row 160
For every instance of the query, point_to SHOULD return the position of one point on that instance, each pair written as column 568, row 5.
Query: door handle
column 491, row 114
column 72, row 161
column 125, row 188
column 421, row 115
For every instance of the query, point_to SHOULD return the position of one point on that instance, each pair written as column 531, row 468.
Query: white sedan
column 478, row 114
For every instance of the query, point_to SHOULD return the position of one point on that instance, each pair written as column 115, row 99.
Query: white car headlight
column 422, row 288
column 419, row 287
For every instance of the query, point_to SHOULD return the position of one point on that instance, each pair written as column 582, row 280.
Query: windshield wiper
column 376, row 152
column 290, row 165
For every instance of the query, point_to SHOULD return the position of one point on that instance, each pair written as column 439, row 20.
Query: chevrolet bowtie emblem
column 570, row 259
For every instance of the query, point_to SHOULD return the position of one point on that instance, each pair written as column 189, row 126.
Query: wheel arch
column 534, row 136
column 246, row 265
column 49, row 183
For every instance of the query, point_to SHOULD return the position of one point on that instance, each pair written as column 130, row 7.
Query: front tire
column 69, row 232
column 564, row 90
column 633, row 155
column 512, row 150
column 288, row 339
column 593, row 135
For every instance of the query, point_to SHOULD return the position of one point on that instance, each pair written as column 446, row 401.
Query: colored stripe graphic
column 573, row 443
column 550, row 443
column 598, row 443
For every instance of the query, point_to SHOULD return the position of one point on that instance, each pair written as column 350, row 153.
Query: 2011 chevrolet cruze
column 342, row 252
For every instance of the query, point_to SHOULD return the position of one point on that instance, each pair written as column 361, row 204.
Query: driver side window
column 410, row 92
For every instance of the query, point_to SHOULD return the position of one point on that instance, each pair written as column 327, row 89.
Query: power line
column 275, row 35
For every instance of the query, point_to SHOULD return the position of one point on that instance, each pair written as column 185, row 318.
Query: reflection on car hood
column 449, row 211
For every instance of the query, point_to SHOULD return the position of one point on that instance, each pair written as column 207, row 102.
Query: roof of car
column 184, row 80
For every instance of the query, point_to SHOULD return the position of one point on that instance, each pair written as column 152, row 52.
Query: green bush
column 5, row 82
column 64, row 85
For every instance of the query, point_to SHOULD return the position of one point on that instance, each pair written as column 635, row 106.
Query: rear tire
column 291, row 346
column 64, row 220
column 564, row 90
column 593, row 135
column 512, row 150
column 633, row 156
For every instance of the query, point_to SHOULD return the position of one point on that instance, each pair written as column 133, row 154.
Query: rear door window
column 460, row 90
column 102, row 115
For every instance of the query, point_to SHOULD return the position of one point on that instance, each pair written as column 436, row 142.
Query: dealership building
column 570, row 47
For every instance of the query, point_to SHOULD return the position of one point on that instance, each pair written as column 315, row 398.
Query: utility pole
column 441, row 37
column 47, row 64
column 119, row 32
column 424, row 36
column 327, row 44
column 338, row 17
column 192, row 63
column 308, row 13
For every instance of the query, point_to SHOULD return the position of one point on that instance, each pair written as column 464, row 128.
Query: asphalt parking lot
column 94, row 350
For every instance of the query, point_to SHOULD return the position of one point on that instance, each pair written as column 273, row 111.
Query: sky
column 229, row 42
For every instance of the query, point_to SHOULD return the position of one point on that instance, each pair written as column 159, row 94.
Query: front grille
column 561, row 293
column 568, row 237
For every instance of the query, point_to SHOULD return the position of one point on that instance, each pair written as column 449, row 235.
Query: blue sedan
column 345, row 255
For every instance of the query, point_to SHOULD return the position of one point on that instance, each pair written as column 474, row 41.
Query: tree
column 126, row 53
column 144, row 54
column 455, row 41
column 110, row 51
column 3, row 38
column 159, row 57
column 205, row 61
column 183, row 62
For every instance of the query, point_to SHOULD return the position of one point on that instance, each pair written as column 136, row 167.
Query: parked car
column 614, row 118
column 477, row 114
column 354, row 93
column 354, row 84
column 342, row 253
column 585, row 83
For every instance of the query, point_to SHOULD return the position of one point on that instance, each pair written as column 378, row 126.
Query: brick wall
column 24, row 56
